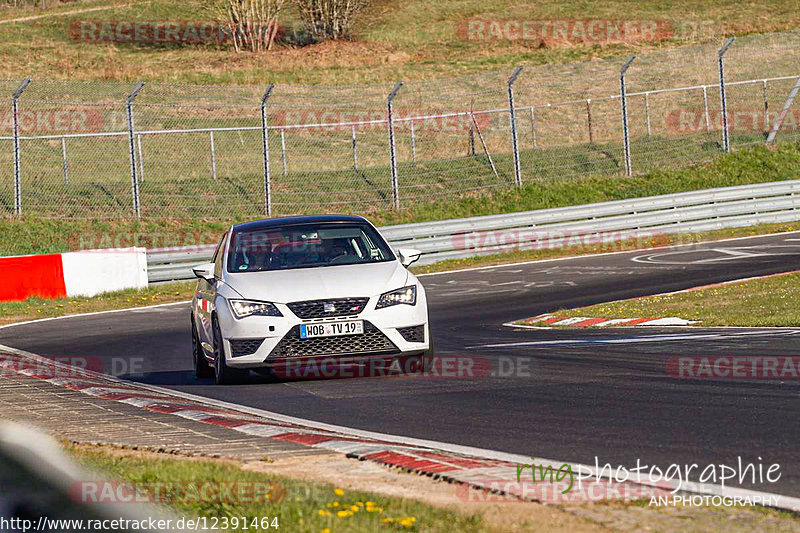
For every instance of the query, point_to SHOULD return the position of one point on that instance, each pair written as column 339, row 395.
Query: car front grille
column 336, row 307
column 372, row 341
column 242, row 347
column 413, row 333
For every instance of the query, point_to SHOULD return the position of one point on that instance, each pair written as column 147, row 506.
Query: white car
column 308, row 288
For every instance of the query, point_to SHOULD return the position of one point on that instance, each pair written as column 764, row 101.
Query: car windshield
column 306, row 246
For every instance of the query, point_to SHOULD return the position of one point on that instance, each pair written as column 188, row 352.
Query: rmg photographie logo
column 739, row 120
column 573, row 31
column 167, row 31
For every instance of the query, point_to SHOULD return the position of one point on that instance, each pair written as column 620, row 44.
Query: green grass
column 410, row 40
column 37, row 308
column 201, row 225
column 306, row 506
column 34, row 308
column 769, row 301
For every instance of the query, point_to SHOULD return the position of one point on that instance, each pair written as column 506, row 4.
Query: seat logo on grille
column 329, row 307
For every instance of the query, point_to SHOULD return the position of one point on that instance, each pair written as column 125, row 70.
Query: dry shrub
column 329, row 19
column 253, row 23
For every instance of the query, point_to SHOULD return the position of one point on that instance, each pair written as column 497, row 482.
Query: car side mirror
column 204, row 271
column 408, row 255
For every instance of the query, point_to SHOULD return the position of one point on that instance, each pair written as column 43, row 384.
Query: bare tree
column 253, row 23
column 329, row 19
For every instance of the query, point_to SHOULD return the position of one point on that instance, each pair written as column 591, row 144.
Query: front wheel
column 223, row 374
column 201, row 367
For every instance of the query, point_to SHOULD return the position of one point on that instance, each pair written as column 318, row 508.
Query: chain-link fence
column 111, row 150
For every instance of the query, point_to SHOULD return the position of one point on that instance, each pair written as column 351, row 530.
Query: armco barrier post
column 392, row 155
column 624, row 101
column 726, row 145
column 132, row 150
column 515, row 146
column 17, row 180
column 265, row 141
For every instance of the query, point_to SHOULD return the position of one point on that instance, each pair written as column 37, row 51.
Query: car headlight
column 406, row 295
column 245, row 308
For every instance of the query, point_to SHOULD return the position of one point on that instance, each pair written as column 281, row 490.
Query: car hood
column 284, row 286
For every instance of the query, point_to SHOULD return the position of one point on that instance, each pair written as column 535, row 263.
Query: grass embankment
column 763, row 302
column 35, row 308
column 409, row 40
column 754, row 165
column 315, row 505
column 297, row 505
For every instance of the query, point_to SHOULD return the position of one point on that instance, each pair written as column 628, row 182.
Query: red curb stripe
column 636, row 321
column 224, row 422
column 309, row 439
column 406, row 461
column 464, row 463
column 589, row 322
column 552, row 320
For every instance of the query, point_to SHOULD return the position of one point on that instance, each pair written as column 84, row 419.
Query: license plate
column 332, row 329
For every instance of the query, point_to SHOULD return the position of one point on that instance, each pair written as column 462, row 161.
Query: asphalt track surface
column 593, row 393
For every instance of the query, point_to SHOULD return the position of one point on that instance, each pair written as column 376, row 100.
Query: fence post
column 647, row 111
column 533, row 128
column 588, row 119
column 64, row 158
column 283, row 153
column 515, row 146
column 705, row 109
column 213, row 156
column 265, row 141
column 471, row 148
column 624, row 100
column 355, row 149
column 392, row 155
column 141, row 157
column 17, row 181
column 725, row 139
column 413, row 143
column 766, row 110
column 132, row 147
column 788, row 104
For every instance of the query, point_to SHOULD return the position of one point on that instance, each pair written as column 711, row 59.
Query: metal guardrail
column 705, row 210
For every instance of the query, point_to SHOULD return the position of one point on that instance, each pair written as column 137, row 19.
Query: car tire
column 201, row 366
column 426, row 359
column 223, row 374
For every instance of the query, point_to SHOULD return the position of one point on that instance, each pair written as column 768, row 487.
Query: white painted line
column 489, row 267
column 604, row 254
column 667, row 337
column 789, row 503
column 569, row 321
column 94, row 313
column 613, row 321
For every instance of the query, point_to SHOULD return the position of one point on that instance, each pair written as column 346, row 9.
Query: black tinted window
column 306, row 246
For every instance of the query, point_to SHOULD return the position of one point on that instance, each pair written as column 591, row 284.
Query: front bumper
column 259, row 341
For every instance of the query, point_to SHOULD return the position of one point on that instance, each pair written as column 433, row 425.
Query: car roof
column 290, row 221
